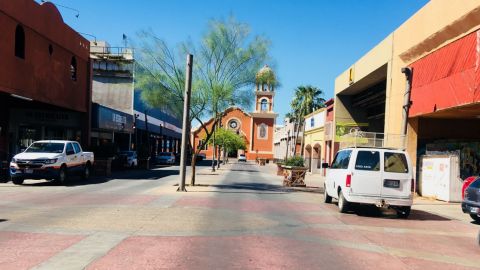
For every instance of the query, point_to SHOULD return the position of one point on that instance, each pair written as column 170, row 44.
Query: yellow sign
column 351, row 75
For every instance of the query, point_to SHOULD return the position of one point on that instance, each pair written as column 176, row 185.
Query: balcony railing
column 112, row 52
column 372, row 139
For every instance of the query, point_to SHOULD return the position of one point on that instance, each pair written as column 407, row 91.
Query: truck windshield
column 45, row 148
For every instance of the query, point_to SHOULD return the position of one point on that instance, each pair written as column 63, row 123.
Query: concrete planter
column 103, row 167
column 279, row 169
column 144, row 163
column 294, row 176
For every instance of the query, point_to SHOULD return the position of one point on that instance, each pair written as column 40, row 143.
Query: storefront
column 445, row 111
column 111, row 126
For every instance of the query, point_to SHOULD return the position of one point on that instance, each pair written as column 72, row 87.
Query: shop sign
column 113, row 120
column 44, row 117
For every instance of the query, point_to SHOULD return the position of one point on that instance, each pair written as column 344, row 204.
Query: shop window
column 20, row 42
column 73, row 69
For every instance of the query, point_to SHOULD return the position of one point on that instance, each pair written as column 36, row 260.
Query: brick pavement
column 239, row 217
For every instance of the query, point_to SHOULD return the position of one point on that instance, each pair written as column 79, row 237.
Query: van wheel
column 475, row 217
column 326, row 198
column 17, row 181
column 343, row 204
column 404, row 212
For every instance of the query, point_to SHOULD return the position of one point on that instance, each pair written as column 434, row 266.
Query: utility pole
column 185, row 124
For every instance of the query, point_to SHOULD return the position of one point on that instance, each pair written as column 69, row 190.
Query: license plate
column 474, row 210
column 28, row 170
column 391, row 183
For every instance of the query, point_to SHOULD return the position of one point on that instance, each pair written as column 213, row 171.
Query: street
column 237, row 217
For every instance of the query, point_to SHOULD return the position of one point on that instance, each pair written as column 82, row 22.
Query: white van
column 377, row 176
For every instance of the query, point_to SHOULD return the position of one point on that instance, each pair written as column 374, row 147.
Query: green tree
column 306, row 100
column 225, row 63
column 228, row 141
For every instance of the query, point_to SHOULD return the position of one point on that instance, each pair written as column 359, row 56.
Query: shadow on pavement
column 116, row 175
column 3, row 220
column 375, row 212
column 248, row 186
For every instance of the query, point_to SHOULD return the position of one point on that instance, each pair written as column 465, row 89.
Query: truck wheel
column 475, row 217
column 86, row 172
column 17, row 181
column 62, row 176
column 343, row 204
column 404, row 212
column 326, row 198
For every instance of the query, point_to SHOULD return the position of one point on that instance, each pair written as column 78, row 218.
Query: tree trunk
column 194, row 162
column 303, row 141
column 218, row 157
column 296, row 139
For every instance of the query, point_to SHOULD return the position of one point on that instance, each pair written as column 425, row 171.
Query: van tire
column 326, row 198
column 343, row 204
column 404, row 212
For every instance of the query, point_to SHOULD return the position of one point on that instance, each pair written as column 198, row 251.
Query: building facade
column 112, row 95
column 314, row 145
column 156, row 130
column 286, row 141
column 45, row 77
column 256, row 127
column 421, row 80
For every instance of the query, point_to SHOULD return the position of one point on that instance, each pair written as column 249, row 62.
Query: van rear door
column 367, row 174
column 397, row 176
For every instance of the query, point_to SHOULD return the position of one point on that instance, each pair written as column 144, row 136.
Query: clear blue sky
column 313, row 41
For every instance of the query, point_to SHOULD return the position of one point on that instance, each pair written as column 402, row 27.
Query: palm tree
column 306, row 100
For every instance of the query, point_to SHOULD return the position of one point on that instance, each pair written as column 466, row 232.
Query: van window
column 395, row 163
column 341, row 160
column 368, row 161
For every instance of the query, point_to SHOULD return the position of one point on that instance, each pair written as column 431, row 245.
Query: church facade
column 257, row 127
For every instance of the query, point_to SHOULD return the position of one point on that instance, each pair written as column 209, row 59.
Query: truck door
column 397, row 176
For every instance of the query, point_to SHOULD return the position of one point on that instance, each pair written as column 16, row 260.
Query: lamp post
column 135, row 130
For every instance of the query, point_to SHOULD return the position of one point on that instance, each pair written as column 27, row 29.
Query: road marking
column 84, row 252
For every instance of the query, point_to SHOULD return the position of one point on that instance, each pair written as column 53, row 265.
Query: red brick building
column 45, row 77
column 256, row 127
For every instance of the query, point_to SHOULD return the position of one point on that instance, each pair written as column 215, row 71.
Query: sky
column 313, row 41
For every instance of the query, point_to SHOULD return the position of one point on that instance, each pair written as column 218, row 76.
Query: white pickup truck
column 51, row 160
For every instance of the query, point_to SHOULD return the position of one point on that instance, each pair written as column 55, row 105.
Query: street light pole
column 185, row 124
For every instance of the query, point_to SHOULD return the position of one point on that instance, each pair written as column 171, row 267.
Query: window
column 262, row 131
column 312, row 122
column 205, row 147
column 395, row 163
column 69, row 149
column 73, row 69
column 341, row 160
column 20, row 42
column 264, row 105
column 50, row 49
column 368, row 161
column 77, row 148
column 233, row 124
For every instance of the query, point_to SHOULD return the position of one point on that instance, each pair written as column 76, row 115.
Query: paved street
column 238, row 217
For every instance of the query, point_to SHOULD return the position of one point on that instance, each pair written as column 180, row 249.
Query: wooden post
column 185, row 124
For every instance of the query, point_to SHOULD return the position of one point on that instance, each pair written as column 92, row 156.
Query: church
column 257, row 127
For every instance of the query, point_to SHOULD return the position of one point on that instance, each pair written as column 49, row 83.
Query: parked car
column 129, row 158
column 201, row 156
column 51, row 160
column 471, row 200
column 165, row 158
column 375, row 176
column 242, row 158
